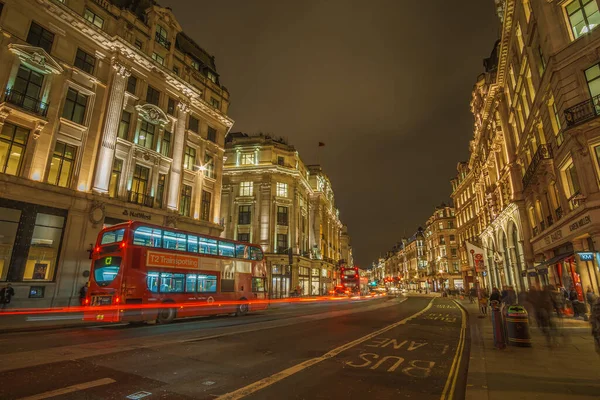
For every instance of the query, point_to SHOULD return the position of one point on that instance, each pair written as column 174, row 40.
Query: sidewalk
column 569, row 370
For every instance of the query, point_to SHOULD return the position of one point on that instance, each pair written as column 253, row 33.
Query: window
column 453, row 252
column 152, row 96
column 165, row 146
column 555, row 121
column 160, row 189
column 246, row 188
column 245, row 215
column 282, row 216
column 195, row 64
column 583, row 16
column 124, row 125
column 527, row 9
column 115, row 178
column 226, row 249
column 174, row 241
column 13, row 141
column 193, row 124
column 28, row 86
column 282, row 243
column 280, row 161
column 210, row 75
column 440, row 225
column 171, row 106
column 215, row 103
column 189, row 158
column 93, row 18
column 158, row 58
column 145, row 136
column 43, row 251
column 61, row 166
column 138, row 44
column 243, row 237
column 248, row 158
column 442, row 240
column 450, row 225
column 571, row 180
column 282, row 189
column 171, row 283
column 75, row 106
column 212, row 134
column 209, row 165
column 131, row 84
column 85, row 61
column 115, row 236
column 207, row 246
column 146, row 236
column 542, row 61
column 185, row 203
column 139, row 184
column 452, row 239
column 207, row 283
column 40, row 37
column 161, row 37
column 205, row 205
column 592, row 76
column 455, row 266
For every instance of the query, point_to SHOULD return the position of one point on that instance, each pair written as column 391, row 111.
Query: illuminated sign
column 169, row 260
column 586, row 256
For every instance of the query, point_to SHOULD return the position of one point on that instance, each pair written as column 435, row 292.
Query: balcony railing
column 25, row 102
column 583, row 111
column 544, row 152
column 140, row 198
column 535, row 231
column 574, row 201
column 162, row 41
column 559, row 213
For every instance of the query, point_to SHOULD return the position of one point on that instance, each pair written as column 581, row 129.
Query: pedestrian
column 544, row 308
column 495, row 295
column 6, row 294
column 483, row 304
column 472, row 295
column 595, row 319
column 590, row 296
column 83, row 293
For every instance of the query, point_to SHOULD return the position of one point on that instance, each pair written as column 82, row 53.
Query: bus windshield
column 106, row 270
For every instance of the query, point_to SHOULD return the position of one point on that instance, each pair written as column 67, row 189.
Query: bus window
column 208, row 246
column 192, row 244
column 171, row 283
column 258, row 284
column 241, row 251
column 174, row 241
column 207, row 283
column 226, row 249
column 256, row 254
column 106, row 270
column 190, row 283
column 152, row 282
column 146, row 236
column 113, row 236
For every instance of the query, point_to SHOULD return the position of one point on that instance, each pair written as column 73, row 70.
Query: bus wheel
column 166, row 315
column 242, row 309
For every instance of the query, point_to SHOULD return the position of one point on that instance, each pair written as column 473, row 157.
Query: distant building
column 109, row 112
column 443, row 260
column 272, row 198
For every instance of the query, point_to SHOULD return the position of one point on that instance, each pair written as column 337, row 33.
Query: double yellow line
column 450, row 387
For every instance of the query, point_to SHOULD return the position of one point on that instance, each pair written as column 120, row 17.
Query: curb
column 476, row 373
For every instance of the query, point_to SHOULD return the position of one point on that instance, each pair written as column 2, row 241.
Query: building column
column 111, row 127
column 178, row 145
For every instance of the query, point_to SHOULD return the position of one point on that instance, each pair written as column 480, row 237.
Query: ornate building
column 109, row 112
column 271, row 198
column 443, row 263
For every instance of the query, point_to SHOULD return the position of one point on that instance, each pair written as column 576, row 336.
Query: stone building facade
column 109, row 112
column 443, row 261
column 270, row 197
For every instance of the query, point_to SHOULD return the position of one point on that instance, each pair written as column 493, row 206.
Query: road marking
column 70, row 389
column 449, row 388
column 268, row 381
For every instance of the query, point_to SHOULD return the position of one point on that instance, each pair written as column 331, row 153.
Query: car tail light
column 117, row 300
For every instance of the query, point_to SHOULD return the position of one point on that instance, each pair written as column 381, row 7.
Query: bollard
column 498, row 326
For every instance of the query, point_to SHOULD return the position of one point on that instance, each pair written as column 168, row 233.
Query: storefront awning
column 544, row 266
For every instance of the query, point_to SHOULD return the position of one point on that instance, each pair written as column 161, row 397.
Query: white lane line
column 268, row 381
column 70, row 389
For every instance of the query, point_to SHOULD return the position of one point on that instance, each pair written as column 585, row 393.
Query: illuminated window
column 158, row 58
column 583, row 16
column 282, row 189
column 139, row 184
column 160, row 189
column 246, row 188
column 555, row 121
column 442, row 240
column 248, row 158
column 205, row 205
column 145, row 136
column 124, row 125
column 13, row 141
column 195, row 64
column 61, row 166
column 209, row 165
column 527, row 9
column 189, row 158
column 165, row 146
column 75, row 106
column 40, row 37
column 161, row 37
column 185, row 202
column 115, row 178
column 93, row 18
column 85, row 61
column 570, row 182
column 211, row 76
column 245, row 215
column 42, row 254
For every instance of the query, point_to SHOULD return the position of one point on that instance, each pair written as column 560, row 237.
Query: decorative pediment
column 36, row 58
column 152, row 114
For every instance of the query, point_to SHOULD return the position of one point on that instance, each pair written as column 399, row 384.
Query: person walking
column 483, row 304
column 6, row 294
column 595, row 320
column 472, row 295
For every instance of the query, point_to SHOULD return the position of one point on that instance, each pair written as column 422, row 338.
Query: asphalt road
column 376, row 349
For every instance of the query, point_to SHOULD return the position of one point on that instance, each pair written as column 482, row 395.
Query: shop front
column 281, row 278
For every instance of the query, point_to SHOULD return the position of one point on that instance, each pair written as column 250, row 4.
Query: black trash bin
column 517, row 327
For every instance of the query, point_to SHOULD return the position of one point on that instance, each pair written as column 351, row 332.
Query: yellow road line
column 268, row 381
column 450, row 387
column 70, row 389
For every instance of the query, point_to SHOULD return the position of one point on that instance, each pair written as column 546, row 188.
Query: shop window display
column 45, row 245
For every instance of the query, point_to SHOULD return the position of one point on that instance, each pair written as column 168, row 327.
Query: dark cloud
column 385, row 84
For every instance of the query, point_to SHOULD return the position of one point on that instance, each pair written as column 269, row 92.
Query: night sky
column 386, row 85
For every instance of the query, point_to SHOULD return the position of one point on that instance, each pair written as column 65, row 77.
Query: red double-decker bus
column 136, row 265
column 350, row 281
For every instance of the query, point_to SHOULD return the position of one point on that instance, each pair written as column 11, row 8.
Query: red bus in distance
column 351, row 282
column 136, row 265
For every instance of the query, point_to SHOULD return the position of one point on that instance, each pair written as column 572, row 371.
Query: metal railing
column 162, row 41
column 574, row 201
column 583, row 111
column 25, row 102
column 543, row 152
column 140, row 198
